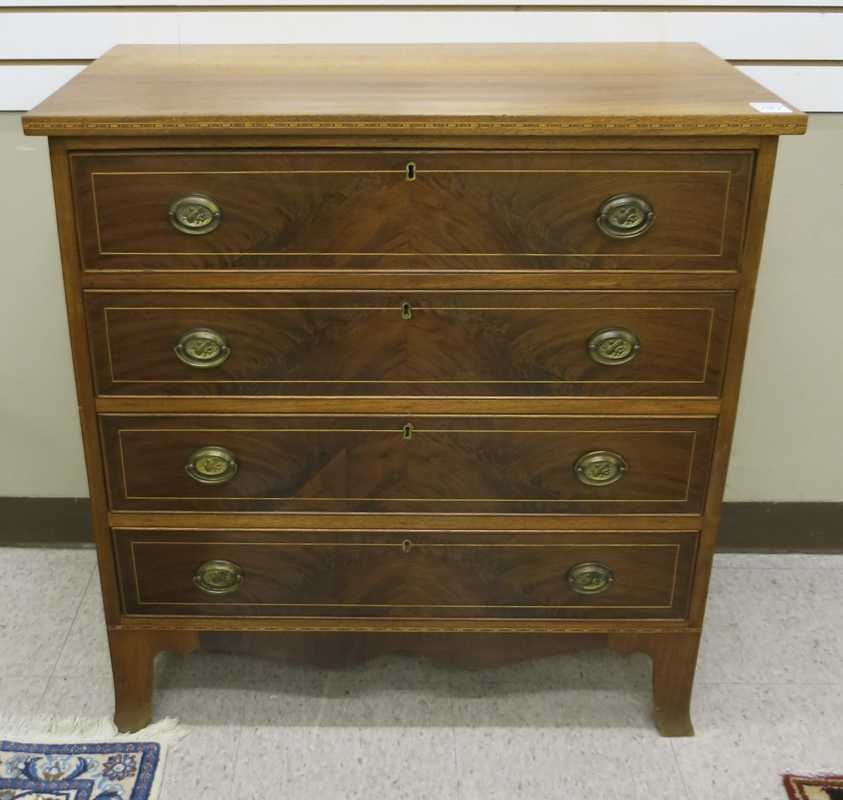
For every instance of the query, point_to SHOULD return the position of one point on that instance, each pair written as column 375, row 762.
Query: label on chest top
column 772, row 108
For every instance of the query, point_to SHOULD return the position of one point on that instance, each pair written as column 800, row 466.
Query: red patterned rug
column 814, row 787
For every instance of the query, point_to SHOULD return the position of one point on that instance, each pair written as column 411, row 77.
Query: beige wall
column 789, row 438
column 39, row 429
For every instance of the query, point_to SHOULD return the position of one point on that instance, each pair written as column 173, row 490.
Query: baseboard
column 39, row 521
column 744, row 527
column 781, row 528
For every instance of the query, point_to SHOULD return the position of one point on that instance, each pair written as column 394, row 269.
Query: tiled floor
column 769, row 698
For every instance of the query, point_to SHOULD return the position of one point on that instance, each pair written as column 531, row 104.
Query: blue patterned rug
column 57, row 767
column 104, row 771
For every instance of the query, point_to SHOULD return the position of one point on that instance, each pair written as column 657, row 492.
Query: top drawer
column 416, row 210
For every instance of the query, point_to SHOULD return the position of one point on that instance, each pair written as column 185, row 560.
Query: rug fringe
column 46, row 729
column 813, row 776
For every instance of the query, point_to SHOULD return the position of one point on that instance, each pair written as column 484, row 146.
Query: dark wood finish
column 451, row 464
column 342, row 650
column 494, row 344
column 599, row 108
column 357, row 210
column 406, row 573
column 403, row 89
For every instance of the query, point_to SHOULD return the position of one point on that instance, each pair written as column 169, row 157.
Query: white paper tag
column 772, row 108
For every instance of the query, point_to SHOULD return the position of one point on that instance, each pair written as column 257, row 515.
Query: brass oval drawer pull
column 613, row 346
column 624, row 216
column 218, row 577
column 590, row 577
column 195, row 214
column 202, row 348
column 212, row 465
column 599, row 468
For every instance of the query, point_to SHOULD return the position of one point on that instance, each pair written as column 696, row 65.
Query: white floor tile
column 86, row 647
column 20, row 697
column 203, row 764
column 76, row 696
column 338, row 763
column 599, row 669
column 771, row 626
column 377, row 730
column 393, row 691
column 778, row 561
column 747, row 736
column 558, row 744
column 41, row 591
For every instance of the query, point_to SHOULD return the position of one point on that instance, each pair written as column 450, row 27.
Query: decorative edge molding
column 769, row 125
column 257, row 625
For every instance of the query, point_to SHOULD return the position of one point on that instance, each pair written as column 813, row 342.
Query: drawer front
column 422, row 210
column 417, row 343
column 514, row 464
column 405, row 574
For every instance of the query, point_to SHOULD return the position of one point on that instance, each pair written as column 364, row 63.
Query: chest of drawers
column 409, row 341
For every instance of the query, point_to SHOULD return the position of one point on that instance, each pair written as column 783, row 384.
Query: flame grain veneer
column 439, row 345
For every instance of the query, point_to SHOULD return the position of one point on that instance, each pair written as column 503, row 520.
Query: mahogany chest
column 412, row 341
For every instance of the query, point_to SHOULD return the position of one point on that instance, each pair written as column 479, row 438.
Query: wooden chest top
column 542, row 89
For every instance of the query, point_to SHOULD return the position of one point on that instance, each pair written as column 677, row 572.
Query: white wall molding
column 762, row 5
column 799, row 44
column 739, row 35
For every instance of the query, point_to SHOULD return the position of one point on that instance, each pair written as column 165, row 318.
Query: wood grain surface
column 515, row 89
column 359, row 343
column 365, row 464
column 406, row 573
column 462, row 210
